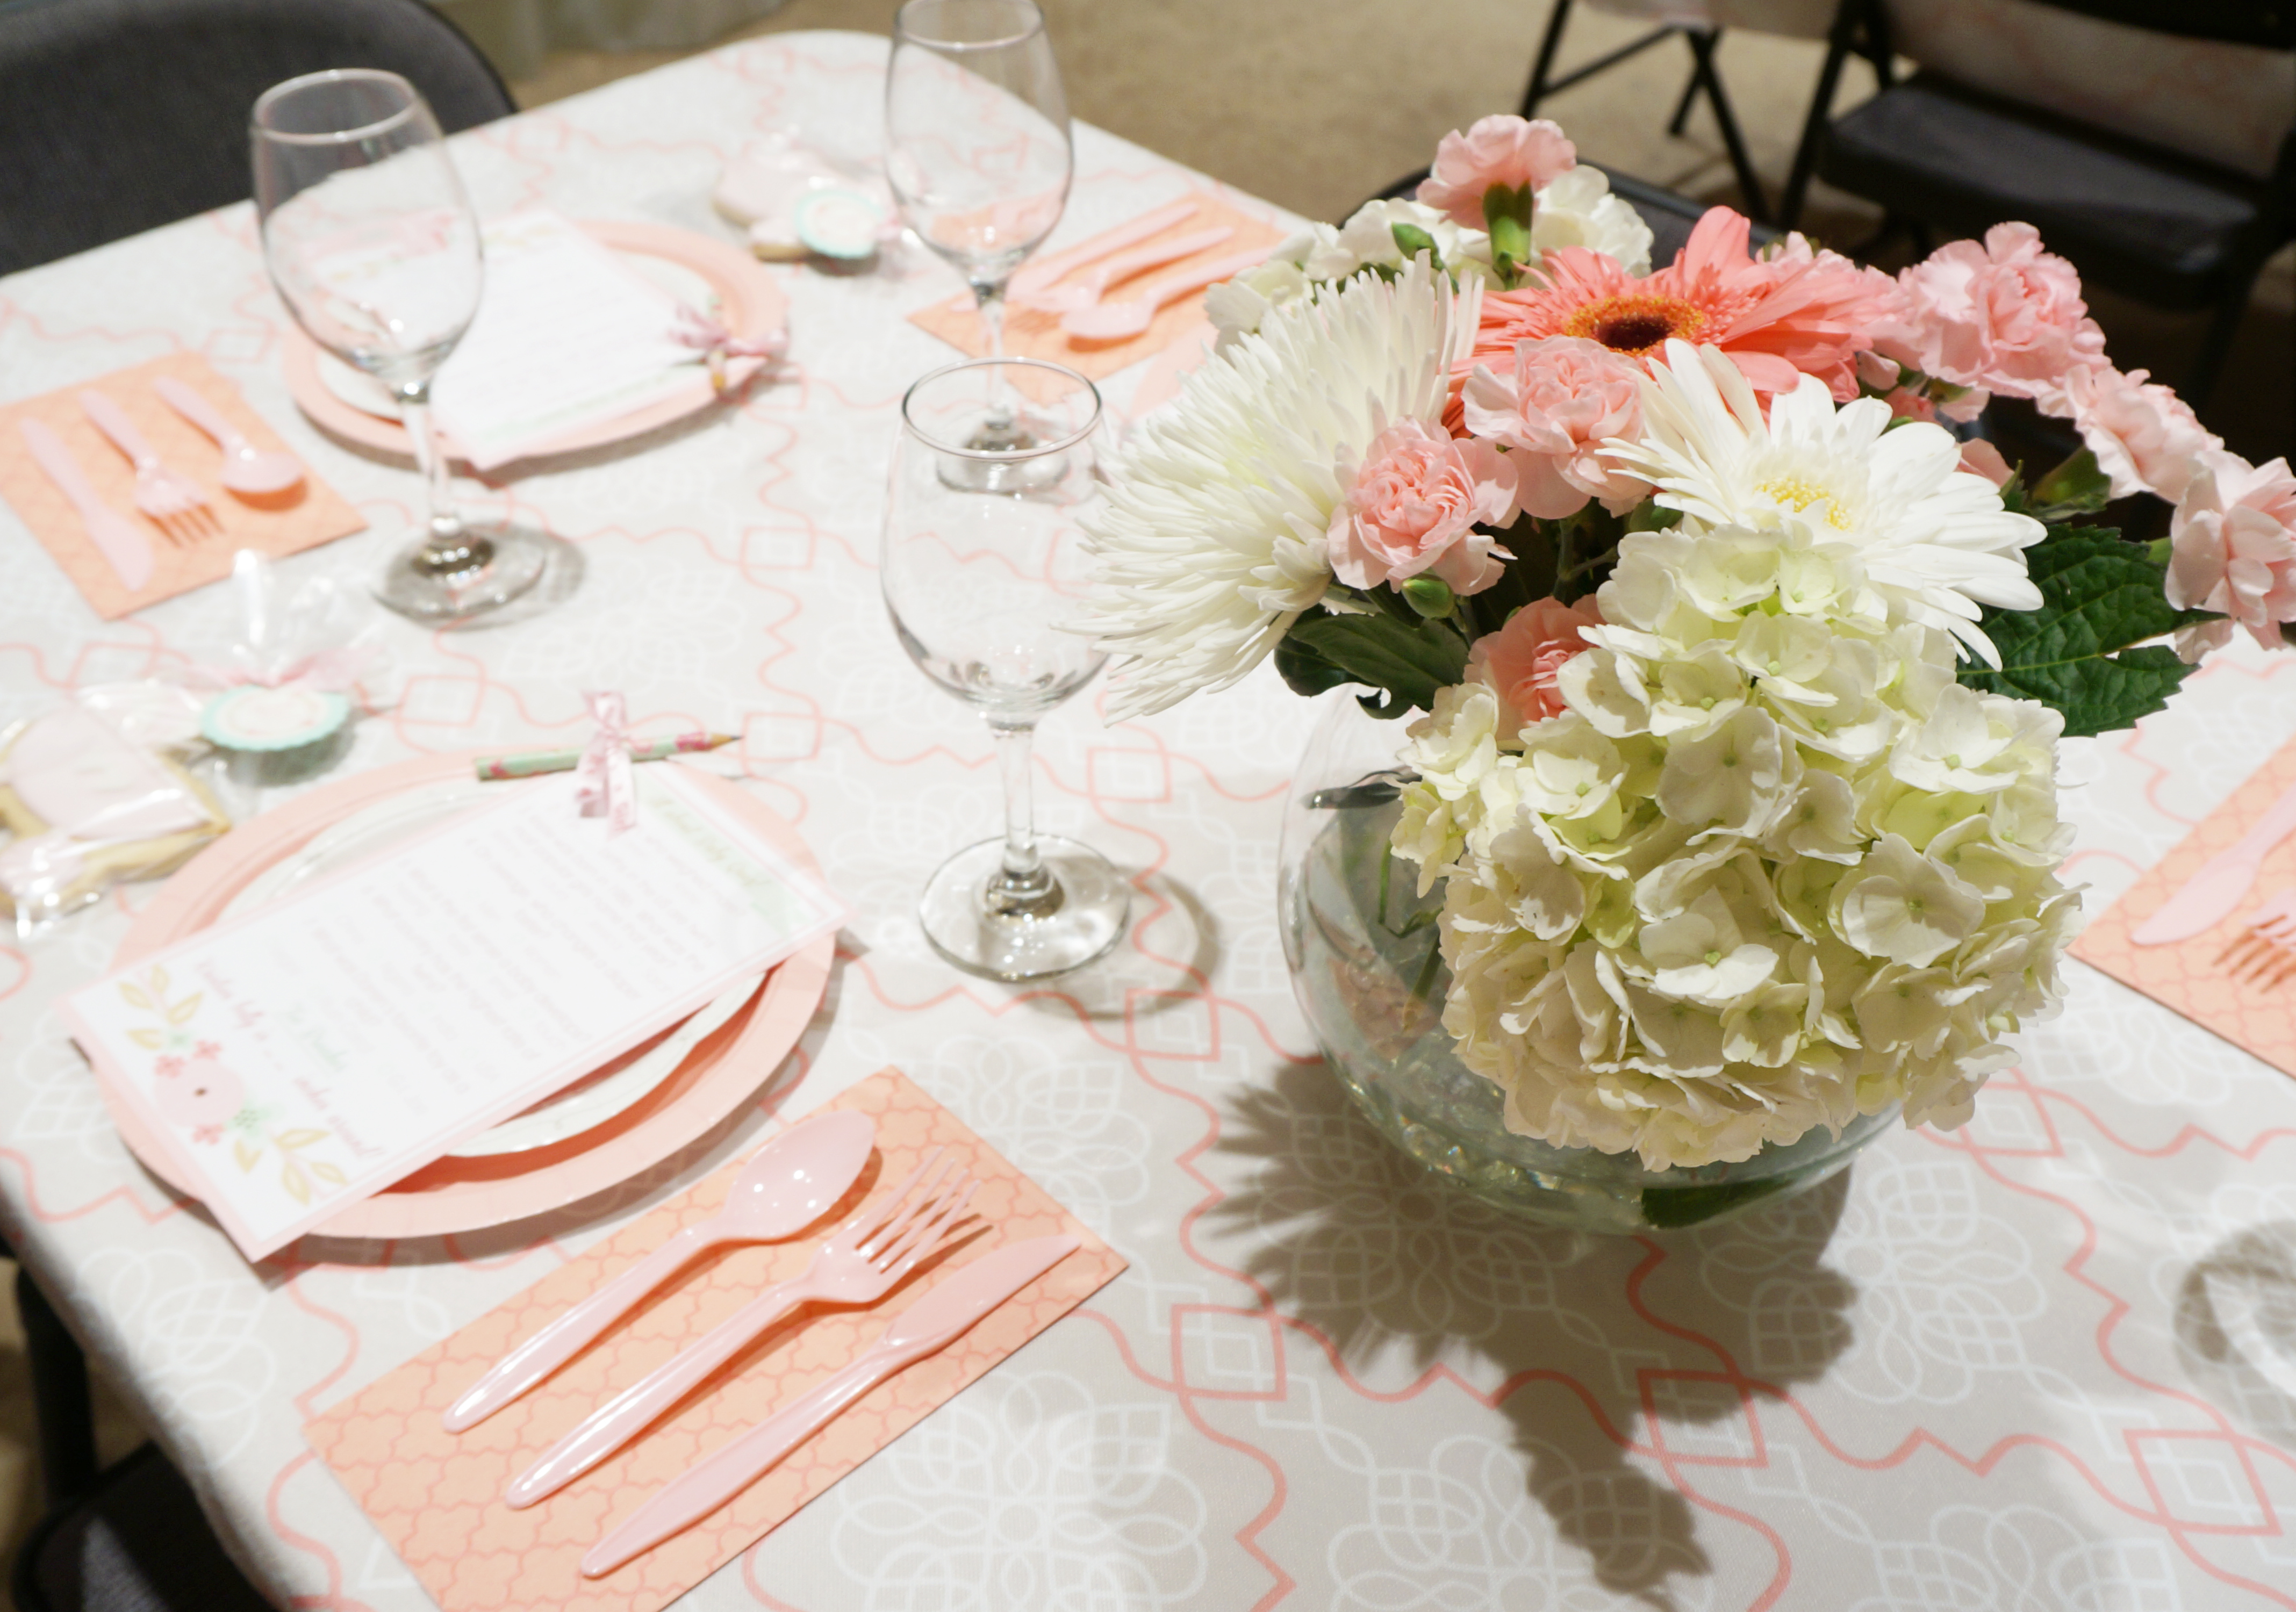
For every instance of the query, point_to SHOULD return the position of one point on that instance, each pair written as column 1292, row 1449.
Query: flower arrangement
column 1736, row 675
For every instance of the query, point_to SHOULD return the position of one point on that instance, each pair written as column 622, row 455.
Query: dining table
column 2044, row 1360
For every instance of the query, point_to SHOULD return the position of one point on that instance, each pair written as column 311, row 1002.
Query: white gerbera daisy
column 1934, row 540
column 1211, row 540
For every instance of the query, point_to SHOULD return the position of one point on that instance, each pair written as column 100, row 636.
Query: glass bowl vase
column 1361, row 945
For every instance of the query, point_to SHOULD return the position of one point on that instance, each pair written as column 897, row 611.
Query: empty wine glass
column 977, row 152
column 982, row 577
column 375, row 248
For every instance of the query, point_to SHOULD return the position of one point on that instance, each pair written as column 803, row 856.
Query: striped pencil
column 528, row 764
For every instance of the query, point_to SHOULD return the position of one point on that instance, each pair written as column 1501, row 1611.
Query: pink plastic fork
column 862, row 1264
column 161, row 492
column 2263, row 951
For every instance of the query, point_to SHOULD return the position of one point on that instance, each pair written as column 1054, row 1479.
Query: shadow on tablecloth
column 1610, row 1357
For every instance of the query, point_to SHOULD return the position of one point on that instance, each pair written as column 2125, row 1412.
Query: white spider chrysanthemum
column 1211, row 540
column 1934, row 540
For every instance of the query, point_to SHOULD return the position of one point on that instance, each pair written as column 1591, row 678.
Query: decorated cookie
column 87, row 807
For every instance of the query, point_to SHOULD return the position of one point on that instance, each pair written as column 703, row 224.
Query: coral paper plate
column 748, row 304
column 465, row 1194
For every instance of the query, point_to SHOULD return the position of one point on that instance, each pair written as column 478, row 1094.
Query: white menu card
column 567, row 334
column 306, row 1056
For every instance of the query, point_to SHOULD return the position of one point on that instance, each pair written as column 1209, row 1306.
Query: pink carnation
column 1498, row 150
column 2143, row 436
column 1564, row 398
column 1979, row 457
column 1523, row 659
column 1414, row 506
column 2006, row 316
column 2234, row 545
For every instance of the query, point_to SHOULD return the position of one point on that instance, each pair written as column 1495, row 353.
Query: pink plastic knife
column 2210, row 895
column 117, row 538
column 932, row 1323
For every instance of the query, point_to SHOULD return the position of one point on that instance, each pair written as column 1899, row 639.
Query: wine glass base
column 1094, row 901
column 509, row 560
column 1005, row 432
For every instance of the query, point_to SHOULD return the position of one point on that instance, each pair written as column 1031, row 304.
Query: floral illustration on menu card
column 192, row 1087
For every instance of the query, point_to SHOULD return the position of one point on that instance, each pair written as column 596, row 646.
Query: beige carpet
column 1317, row 103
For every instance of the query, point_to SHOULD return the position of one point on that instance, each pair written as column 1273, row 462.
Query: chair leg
column 1703, row 42
column 1840, row 42
column 1547, row 47
column 61, row 1405
column 1674, row 125
column 2216, row 346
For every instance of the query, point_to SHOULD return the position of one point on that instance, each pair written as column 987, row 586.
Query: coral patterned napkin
column 2197, row 977
column 438, row 1496
column 1031, row 332
column 304, row 517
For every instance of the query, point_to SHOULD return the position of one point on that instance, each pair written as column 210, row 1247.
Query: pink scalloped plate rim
column 724, row 1071
column 749, row 305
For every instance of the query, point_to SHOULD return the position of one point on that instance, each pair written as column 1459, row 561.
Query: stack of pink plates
column 609, row 1126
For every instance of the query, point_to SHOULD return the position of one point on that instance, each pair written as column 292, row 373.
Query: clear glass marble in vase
column 1361, row 945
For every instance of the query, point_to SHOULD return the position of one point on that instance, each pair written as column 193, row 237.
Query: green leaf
column 2075, row 487
column 1305, row 672
column 2100, row 595
column 1409, row 662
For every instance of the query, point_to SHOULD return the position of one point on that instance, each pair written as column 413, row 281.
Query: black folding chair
column 129, row 1537
column 1704, row 80
column 2152, row 225
column 118, row 116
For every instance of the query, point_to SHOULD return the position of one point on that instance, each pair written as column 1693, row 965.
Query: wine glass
column 982, row 577
column 977, row 153
column 375, row 248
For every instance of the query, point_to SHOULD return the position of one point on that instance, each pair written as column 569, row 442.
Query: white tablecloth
column 2028, row 1365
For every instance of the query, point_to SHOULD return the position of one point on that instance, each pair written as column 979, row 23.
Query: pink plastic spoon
column 791, row 1182
column 246, row 468
column 1115, row 271
column 1117, row 321
column 1036, row 276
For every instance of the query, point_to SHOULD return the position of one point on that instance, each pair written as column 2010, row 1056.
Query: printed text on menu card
column 311, row 1054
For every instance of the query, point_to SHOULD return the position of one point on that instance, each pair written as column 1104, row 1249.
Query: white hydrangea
column 1773, row 868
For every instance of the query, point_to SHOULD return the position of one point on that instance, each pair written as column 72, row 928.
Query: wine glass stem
column 449, row 548
column 988, row 296
column 1023, row 885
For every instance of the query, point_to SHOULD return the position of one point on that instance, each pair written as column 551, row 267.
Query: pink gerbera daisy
column 1800, row 312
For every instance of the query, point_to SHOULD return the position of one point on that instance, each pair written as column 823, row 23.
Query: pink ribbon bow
column 328, row 672
column 717, row 344
column 605, row 784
